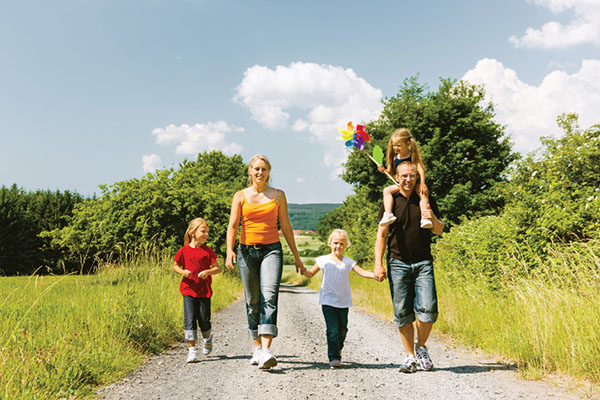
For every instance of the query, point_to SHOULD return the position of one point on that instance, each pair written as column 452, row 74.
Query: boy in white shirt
column 335, row 297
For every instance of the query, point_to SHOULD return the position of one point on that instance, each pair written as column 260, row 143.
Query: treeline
column 64, row 232
column 307, row 216
column 23, row 217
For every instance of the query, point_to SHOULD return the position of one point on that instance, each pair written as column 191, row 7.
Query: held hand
column 381, row 169
column 299, row 266
column 379, row 273
column 306, row 273
column 423, row 190
column 186, row 273
column 230, row 259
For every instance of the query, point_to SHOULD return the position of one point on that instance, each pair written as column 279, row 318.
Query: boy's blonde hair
column 415, row 156
column 339, row 232
column 254, row 159
column 191, row 229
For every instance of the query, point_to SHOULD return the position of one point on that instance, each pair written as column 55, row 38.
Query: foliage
column 23, row 215
column 464, row 151
column 62, row 337
column 554, row 196
column 154, row 210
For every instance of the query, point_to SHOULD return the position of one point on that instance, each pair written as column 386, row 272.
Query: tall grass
column 546, row 321
column 60, row 337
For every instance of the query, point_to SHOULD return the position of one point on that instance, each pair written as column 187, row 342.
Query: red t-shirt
column 195, row 259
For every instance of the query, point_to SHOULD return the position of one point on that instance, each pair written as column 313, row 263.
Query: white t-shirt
column 335, row 284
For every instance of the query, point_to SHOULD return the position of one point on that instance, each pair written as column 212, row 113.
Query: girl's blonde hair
column 191, row 229
column 339, row 232
column 255, row 158
column 404, row 135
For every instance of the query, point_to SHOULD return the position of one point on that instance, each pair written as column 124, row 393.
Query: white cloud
column 323, row 96
column 584, row 28
column 151, row 162
column 199, row 137
column 530, row 111
column 300, row 180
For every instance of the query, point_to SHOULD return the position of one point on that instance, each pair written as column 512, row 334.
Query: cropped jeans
column 196, row 314
column 413, row 291
column 260, row 268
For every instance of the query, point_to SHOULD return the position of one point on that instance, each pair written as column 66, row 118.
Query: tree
column 154, row 211
column 464, row 151
column 23, row 216
column 554, row 194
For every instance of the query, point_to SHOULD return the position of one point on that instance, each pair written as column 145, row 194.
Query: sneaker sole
column 270, row 363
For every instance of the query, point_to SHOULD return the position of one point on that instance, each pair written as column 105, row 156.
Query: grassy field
column 62, row 336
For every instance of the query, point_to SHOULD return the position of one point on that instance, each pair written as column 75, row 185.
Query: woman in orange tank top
column 259, row 257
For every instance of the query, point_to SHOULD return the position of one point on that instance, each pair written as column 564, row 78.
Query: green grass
column 63, row 336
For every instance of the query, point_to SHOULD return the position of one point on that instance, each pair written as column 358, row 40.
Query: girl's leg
column 190, row 320
column 333, row 332
column 204, row 320
column 388, row 197
column 424, row 205
column 388, row 205
column 343, row 324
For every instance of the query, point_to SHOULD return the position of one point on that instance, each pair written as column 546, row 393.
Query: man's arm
column 380, row 243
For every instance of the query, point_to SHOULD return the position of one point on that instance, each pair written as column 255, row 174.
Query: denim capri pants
column 413, row 291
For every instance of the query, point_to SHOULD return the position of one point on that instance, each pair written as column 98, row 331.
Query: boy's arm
column 363, row 272
column 312, row 272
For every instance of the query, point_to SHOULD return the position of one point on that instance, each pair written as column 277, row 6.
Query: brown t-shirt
column 406, row 240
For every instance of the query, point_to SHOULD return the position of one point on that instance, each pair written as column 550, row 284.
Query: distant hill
column 306, row 216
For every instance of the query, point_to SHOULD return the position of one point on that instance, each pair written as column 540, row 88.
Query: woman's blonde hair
column 191, row 229
column 404, row 135
column 339, row 232
column 255, row 158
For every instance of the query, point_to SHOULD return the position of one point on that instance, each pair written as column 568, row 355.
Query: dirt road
column 371, row 357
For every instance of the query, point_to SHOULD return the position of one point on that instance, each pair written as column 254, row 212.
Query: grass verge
column 63, row 336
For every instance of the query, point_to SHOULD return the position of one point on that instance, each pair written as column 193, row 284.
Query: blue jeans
column 260, row 270
column 196, row 313
column 336, row 320
column 413, row 291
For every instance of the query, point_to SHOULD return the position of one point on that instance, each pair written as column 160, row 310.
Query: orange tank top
column 259, row 222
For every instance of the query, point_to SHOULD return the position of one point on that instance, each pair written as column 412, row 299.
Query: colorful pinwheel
column 356, row 138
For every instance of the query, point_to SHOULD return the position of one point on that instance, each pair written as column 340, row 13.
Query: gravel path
column 371, row 356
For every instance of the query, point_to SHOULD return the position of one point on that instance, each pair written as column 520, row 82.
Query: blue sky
column 94, row 92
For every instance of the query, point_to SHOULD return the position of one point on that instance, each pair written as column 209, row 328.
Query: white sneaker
column 387, row 219
column 207, row 345
column 192, row 355
column 426, row 223
column 256, row 356
column 267, row 360
column 423, row 358
column 335, row 364
column 409, row 365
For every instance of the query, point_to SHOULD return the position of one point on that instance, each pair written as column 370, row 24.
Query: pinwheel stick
column 376, row 163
